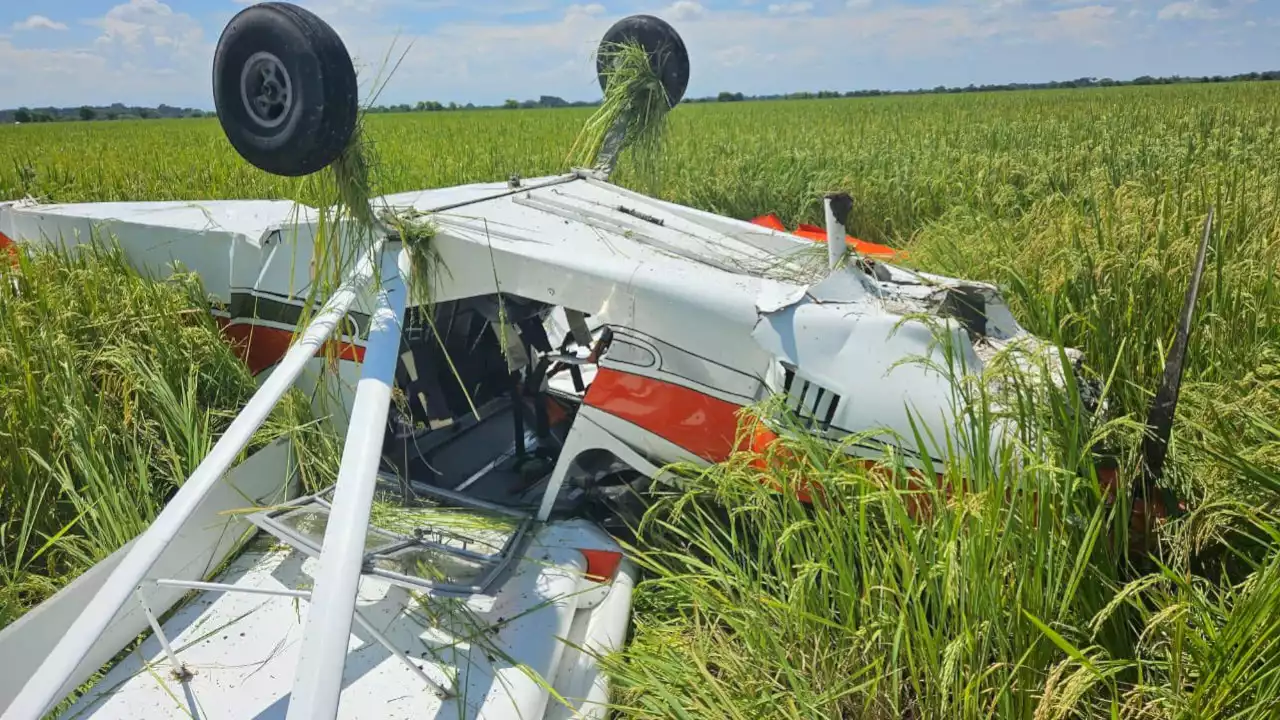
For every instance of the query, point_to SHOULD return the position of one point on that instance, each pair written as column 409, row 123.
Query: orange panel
column 697, row 422
column 702, row 424
column 601, row 564
column 812, row 232
column 707, row 427
column 761, row 438
column 770, row 221
column 876, row 250
column 817, row 234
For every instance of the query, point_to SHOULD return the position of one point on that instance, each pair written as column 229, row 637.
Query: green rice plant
column 98, row 427
column 902, row 591
column 417, row 231
column 352, row 175
column 1207, row 634
column 487, row 528
column 907, row 161
column 1111, row 283
column 631, row 117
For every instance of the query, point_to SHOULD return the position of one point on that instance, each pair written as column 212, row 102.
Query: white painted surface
column 221, row 240
column 601, row 632
column 242, row 217
column 201, row 545
column 429, row 200
column 243, row 648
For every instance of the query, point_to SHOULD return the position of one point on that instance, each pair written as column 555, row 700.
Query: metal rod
column 47, row 684
column 317, row 684
column 448, row 549
column 159, row 633
column 612, row 147
column 561, row 180
column 368, row 627
column 306, row 595
column 1155, row 445
column 223, row 587
column 486, row 469
column 429, row 588
column 456, row 498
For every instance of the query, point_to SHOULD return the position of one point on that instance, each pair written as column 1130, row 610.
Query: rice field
column 1085, row 206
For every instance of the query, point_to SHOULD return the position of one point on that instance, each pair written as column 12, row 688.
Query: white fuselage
column 709, row 313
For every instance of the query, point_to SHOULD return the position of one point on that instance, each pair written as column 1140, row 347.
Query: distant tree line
column 119, row 111
column 546, row 101
column 1084, row 82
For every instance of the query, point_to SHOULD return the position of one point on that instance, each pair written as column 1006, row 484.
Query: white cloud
column 791, row 8
column 145, row 53
column 858, row 4
column 584, row 10
column 39, row 22
column 747, row 50
column 1187, row 10
column 1202, row 9
column 148, row 24
column 1086, row 24
column 732, row 56
column 684, row 10
column 1085, row 15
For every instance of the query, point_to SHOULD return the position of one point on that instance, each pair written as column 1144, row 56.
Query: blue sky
column 484, row 51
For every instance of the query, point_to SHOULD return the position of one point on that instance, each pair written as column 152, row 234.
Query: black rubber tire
column 315, row 126
column 667, row 54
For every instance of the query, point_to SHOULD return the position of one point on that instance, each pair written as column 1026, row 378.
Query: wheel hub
column 266, row 89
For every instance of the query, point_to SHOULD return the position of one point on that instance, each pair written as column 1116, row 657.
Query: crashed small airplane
column 579, row 338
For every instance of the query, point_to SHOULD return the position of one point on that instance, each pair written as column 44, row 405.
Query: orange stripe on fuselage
column 707, row 426
column 261, row 347
column 704, row 425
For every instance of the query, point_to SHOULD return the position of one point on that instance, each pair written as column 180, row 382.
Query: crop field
column 1084, row 206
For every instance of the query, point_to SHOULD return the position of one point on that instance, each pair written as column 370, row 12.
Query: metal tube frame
column 224, row 587
column 159, row 633
column 46, row 685
column 317, row 684
column 495, row 563
column 360, row 619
